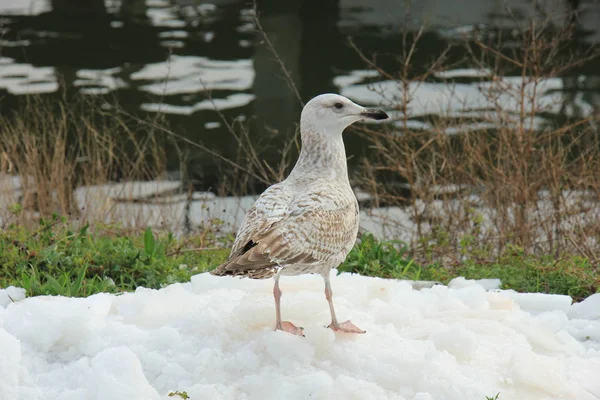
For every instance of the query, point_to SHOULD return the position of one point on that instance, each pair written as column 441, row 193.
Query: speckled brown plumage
column 307, row 223
column 309, row 233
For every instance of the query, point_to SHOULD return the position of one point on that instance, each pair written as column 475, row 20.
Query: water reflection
column 22, row 78
column 166, row 55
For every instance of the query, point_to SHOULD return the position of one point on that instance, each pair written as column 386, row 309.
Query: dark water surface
column 165, row 55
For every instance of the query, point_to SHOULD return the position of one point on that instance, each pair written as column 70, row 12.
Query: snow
column 541, row 302
column 212, row 338
column 589, row 308
column 10, row 348
column 488, row 284
column 11, row 294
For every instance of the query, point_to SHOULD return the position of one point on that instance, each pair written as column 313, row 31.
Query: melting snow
column 212, row 338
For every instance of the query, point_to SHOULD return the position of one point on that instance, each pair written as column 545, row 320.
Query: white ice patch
column 11, row 294
column 537, row 302
column 10, row 348
column 116, row 373
column 213, row 338
column 587, row 309
column 487, row 284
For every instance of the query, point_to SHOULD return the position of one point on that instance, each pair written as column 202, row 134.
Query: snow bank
column 212, row 338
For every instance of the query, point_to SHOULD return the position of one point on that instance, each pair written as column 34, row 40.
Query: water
column 167, row 55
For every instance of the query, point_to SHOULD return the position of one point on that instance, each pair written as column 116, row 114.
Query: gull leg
column 285, row 326
column 347, row 326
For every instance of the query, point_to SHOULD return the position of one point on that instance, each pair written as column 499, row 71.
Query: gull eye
column 338, row 105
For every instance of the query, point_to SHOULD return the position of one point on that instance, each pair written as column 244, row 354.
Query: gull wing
column 281, row 230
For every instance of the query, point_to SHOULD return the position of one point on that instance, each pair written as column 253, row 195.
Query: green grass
column 54, row 259
column 572, row 275
column 57, row 260
column 184, row 394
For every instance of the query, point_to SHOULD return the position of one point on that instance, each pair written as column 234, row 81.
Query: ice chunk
column 117, row 375
column 473, row 296
column 208, row 391
column 456, row 340
column 584, row 371
column 553, row 321
column 214, row 338
column 422, row 396
column 11, row 294
column 418, row 285
column 56, row 321
column 155, row 308
column 540, row 302
column 487, row 284
column 544, row 373
column 587, row 309
column 10, row 365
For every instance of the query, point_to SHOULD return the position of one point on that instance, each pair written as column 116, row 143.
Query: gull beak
column 372, row 113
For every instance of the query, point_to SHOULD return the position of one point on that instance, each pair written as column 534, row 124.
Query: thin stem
column 271, row 48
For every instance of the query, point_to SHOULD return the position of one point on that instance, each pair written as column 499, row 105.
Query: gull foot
column 347, row 327
column 288, row 327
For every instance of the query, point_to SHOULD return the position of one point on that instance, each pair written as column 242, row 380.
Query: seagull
column 307, row 223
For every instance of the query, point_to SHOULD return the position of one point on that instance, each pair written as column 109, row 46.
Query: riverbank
column 56, row 259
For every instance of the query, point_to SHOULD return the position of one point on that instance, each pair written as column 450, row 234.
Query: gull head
column 330, row 114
